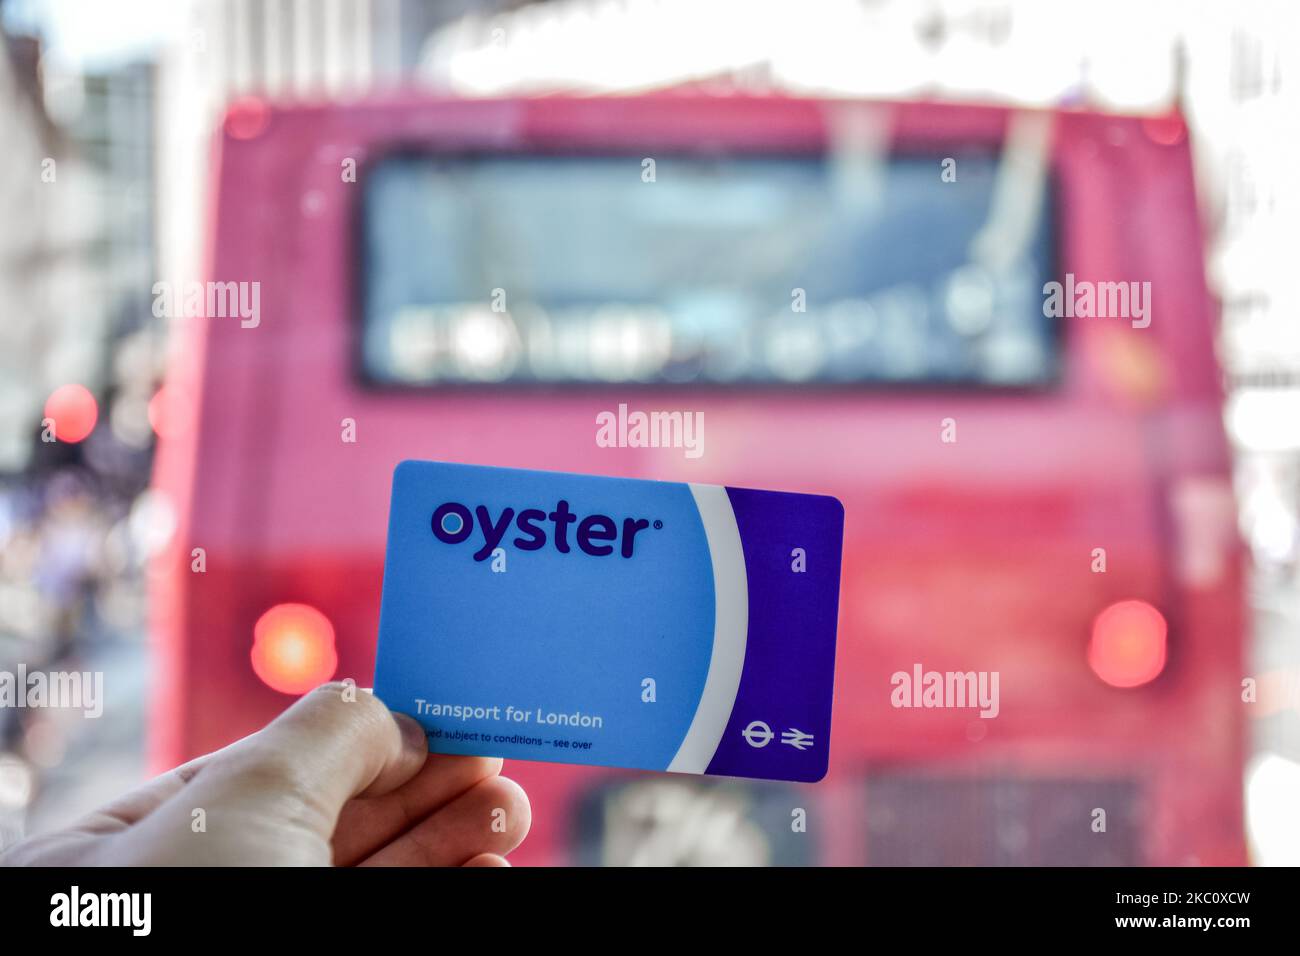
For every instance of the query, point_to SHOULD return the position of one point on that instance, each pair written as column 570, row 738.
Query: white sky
column 92, row 34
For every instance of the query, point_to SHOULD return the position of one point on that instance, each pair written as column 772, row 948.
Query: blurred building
column 283, row 50
column 52, row 316
column 114, row 132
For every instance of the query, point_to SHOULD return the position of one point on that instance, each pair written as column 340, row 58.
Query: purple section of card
column 781, row 722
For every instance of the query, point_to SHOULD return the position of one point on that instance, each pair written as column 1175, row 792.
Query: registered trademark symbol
column 658, row 524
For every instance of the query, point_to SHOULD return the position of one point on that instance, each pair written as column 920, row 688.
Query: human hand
column 337, row 778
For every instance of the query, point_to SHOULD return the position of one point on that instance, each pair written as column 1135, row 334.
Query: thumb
column 333, row 744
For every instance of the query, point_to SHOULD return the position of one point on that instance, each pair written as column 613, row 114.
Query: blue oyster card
column 611, row 621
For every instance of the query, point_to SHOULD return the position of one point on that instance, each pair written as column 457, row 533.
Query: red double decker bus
column 853, row 294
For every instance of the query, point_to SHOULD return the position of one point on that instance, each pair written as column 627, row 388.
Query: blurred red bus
column 853, row 295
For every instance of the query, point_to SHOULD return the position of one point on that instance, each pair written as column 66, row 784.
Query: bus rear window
column 703, row 270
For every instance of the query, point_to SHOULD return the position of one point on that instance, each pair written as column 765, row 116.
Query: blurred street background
column 116, row 105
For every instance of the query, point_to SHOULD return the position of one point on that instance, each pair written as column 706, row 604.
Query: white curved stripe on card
column 730, row 629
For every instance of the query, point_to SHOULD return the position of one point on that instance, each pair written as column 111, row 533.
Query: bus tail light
column 1127, row 648
column 293, row 648
column 73, row 411
column 247, row 117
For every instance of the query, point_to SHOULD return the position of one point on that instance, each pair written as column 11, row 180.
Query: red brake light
column 169, row 413
column 293, row 648
column 1128, row 644
column 1165, row 130
column 247, row 118
column 74, row 412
